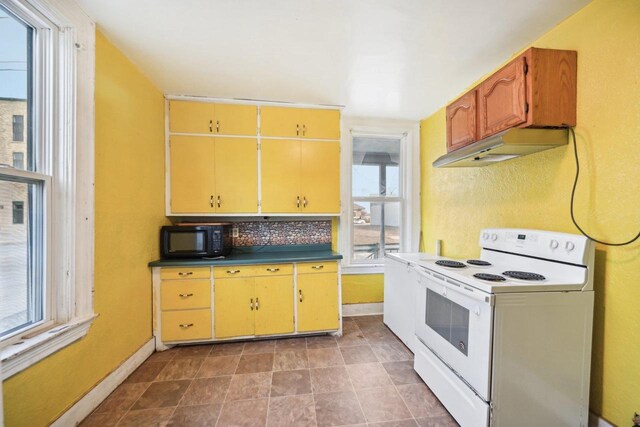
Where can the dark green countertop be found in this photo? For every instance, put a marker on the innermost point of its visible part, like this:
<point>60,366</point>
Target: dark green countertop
<point>260,255</point>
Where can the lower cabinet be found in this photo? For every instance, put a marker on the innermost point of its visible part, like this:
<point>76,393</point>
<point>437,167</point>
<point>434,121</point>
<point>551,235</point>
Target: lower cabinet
<point>317,297</point>
<point>210,303</point>
<point>259,304</point>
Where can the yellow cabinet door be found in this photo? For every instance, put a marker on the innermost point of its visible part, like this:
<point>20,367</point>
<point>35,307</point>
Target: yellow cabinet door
<point>280,176</point>
<point>233,307</point>
<point>281,121</point>
<point>320,124</point>
<point>186,325</point>
<point>233,119</point>
<point>317,301</point>
<point>320,177</point>
<point>192,174</point>
<point>236,175</point>
<point>274,305</point>
<point>191,117</point>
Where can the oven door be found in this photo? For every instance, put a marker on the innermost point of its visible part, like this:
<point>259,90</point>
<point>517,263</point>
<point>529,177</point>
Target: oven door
<point>455,322</point>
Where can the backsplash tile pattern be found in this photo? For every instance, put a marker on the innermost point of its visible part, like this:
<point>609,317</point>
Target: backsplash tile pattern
<point>260,233</point>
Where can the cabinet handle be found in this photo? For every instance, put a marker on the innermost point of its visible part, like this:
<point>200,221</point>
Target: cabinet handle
<point>251,304</point>
<point>219,201</point>
<point>297,201</point>
<point>211,201</point>
<point>300,293</point>
<point>297,130</point>
<point>210,125</point>
<point>317,267</point>
<point>273,270</point>
<point>185,273</point>
<point>304,130</point>
<point>186,325</point>
<point>304,202</point>
<point>257,304</point>
<point>217,126</point>
<point>185,295</point>
<point>233,271</point>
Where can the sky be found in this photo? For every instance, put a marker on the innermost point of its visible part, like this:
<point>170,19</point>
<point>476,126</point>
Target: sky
<point>13,57</point>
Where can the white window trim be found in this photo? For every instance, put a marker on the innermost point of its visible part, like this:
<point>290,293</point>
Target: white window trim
<point>70,124</point>
<point>410,184</point>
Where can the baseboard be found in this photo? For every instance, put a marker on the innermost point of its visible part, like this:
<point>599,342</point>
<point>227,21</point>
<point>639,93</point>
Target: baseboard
<point>93,398</point>
<point>596,421</point>
<point>362,309</point>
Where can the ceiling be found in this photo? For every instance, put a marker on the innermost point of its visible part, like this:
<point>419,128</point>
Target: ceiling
<point>378,58</point>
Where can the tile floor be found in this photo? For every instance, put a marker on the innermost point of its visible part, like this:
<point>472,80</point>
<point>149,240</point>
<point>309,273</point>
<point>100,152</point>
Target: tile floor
<point>363,378</point>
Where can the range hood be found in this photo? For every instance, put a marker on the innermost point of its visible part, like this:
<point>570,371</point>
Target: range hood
<point>506,145</point>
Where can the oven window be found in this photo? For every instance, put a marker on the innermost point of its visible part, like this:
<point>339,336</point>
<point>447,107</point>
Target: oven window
<point>183,241</point>
<point>449,320</point>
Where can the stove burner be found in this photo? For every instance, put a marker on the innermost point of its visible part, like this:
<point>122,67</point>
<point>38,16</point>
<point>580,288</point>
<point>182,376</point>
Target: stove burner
<point>523,275</point>
<point>449,263</point>
<point>489,277</point>
<point>478,262</point>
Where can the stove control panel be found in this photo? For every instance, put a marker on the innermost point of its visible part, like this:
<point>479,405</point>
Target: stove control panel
<point>572,248</point>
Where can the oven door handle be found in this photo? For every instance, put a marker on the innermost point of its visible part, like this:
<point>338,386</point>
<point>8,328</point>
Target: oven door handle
<point>450,285</point>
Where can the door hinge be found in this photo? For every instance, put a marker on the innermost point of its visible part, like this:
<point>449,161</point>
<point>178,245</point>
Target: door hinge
<point>526,107</point>
<point>526,67</point>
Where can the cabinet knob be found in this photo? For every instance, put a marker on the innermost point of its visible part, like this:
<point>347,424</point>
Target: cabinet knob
<point>185,273</point>
<point>210,125</point>
<point>219,201</point>
<point>297,130</point>
<point>273,270</point>
<point>257,304</point>
<point>186,325</point>
<point>217,126</point>
<point>300,295</point>
<point>304,130</point>
<point>211,201</point>
<point>233,271</point>
<point>251,304</point>
<point>317,267</point>
<point>185,295</point>
<point>297,201</point>
<point>304,202</point>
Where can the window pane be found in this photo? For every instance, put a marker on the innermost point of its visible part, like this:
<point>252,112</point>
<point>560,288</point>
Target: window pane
<point>375,168</point>
<point>15,89</point>
<point>20,244</point>
<point>373,225</point>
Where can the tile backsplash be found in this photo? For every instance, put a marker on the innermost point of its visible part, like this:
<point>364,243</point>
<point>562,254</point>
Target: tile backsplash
<point>260,233</point>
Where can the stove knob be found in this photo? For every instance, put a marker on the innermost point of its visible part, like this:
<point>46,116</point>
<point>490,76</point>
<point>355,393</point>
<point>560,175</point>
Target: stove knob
<point>554,244</point>
<point>494,237</point>
<point>485,236</point>
<point>569,246</point>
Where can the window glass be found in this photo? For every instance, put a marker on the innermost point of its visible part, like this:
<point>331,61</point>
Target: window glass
<point>375,168</point>
<point>21,199</point>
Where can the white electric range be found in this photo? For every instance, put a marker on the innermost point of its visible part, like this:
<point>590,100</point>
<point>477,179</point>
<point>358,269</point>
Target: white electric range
<point>505,340</point>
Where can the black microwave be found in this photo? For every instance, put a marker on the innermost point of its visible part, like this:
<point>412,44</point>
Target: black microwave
<point>195,241</point>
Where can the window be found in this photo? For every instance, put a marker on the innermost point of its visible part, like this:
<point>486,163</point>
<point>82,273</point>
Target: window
<point>380,167</point>
<point>18,214</point>
<point>18,122</point>
<point>45,297</point>
<point>18,160</point>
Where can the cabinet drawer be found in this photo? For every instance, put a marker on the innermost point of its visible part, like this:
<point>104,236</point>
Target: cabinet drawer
<point>186,325</point>
<point>318,267</point>
<point>184,294</point>
<point>274,269</point>
<point>185,273</point>
<point>234,271</point>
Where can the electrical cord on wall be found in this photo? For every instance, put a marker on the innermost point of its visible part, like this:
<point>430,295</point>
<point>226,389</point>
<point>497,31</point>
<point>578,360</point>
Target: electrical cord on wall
<point>573,193</point>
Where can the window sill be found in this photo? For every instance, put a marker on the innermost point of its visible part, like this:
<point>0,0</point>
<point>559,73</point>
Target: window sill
<point>22,355</point>
<point>363,269</point>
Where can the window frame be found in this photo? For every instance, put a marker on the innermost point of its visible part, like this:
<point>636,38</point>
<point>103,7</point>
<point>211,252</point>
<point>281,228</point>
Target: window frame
<point>409,184</point>
<point>62,156</point>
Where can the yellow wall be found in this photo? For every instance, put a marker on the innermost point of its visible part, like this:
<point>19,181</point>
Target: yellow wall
<point>129,206</point>
<point>533,191</point>
<point>362,288</point>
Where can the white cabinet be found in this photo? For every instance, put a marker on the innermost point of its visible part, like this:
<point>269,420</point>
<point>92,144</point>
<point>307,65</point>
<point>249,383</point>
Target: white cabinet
<point>400,290</point>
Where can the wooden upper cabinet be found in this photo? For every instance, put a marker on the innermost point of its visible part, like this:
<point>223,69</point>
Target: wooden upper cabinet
<point>299,123</point>
<point>461,121</point>
<point>537,89</point>
<point>207,117</point>
<point>502,99</point>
